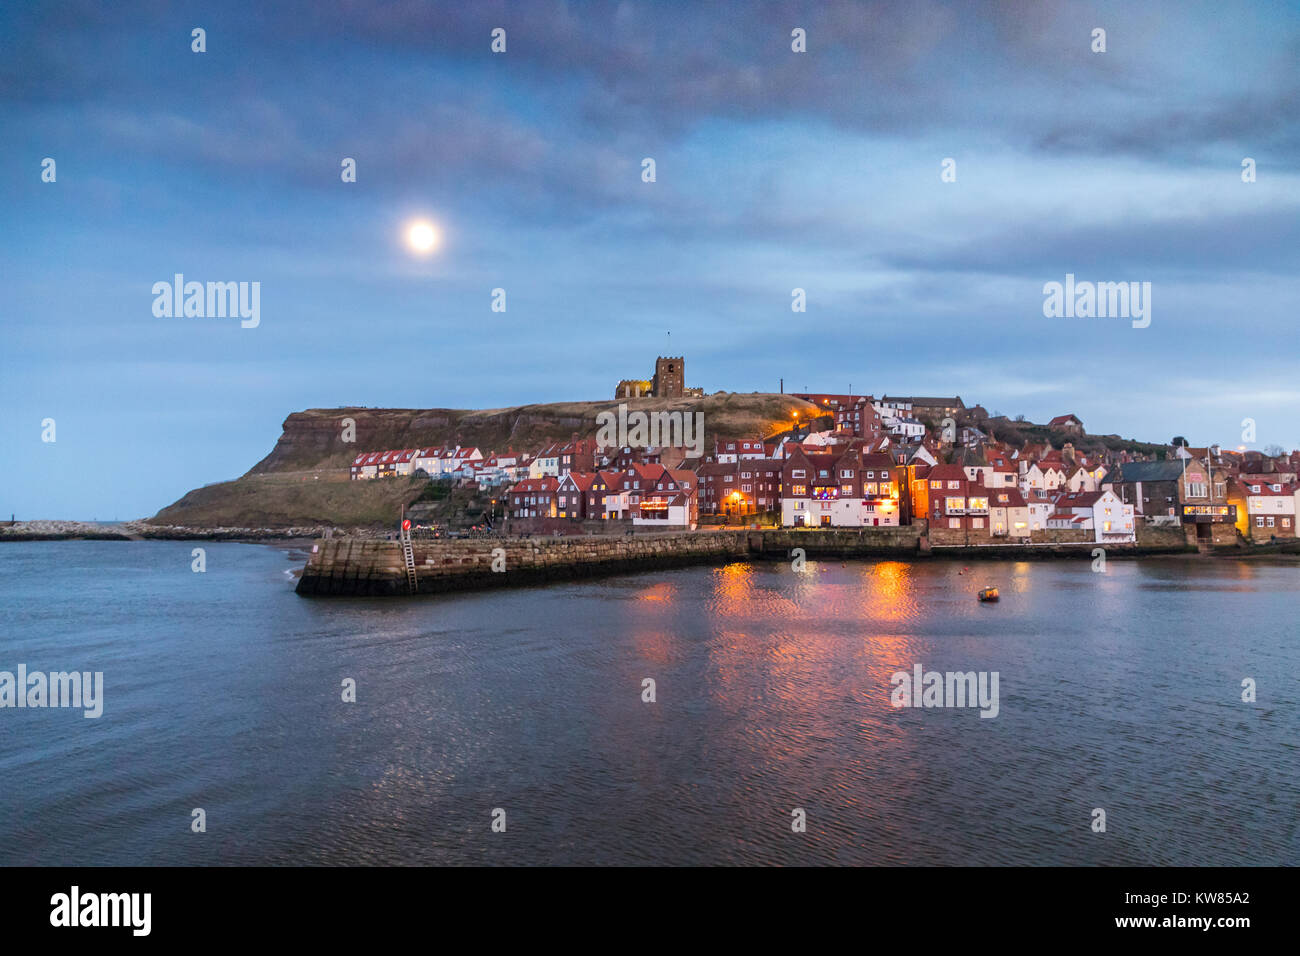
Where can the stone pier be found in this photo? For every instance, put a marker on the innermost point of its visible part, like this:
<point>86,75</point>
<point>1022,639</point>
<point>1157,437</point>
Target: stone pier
<point>348,566</point>
<point>360,567</point>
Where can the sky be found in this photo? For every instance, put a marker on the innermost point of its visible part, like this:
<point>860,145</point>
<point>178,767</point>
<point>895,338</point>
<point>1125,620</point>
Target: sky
<point>774,170</point>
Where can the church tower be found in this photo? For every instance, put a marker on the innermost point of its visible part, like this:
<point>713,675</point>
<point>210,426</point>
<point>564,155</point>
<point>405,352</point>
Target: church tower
<point>670,377</point>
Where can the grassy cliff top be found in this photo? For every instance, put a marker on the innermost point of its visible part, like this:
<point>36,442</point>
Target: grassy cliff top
<point>313,439</point>
<point>303,481</point>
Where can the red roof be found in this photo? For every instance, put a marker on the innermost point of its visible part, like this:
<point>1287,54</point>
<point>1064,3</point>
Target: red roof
<point>947,473</point>
<point>582,479</point>
<point>1079,499</point>
<point>529,485</point>
<point>1249,484</point>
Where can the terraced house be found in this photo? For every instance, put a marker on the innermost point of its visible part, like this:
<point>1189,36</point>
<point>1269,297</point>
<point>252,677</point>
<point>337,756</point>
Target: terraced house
<point>1265,510</point>
<point>953,501</point>
<point>840,488</point>
<point>1110,520</point>
<point>535,498</point>
<point>571,496</point>
<point>671,501</point>
<point>747,486</point>
<point>1008,515</point>
<point>810,490</point>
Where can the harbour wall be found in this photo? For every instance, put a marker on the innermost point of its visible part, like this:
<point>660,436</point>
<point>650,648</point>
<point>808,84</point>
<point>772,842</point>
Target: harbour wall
<point>358,567</point>
<point>343,566</point>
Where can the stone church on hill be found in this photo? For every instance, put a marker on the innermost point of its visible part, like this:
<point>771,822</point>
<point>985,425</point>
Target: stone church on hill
<point>669,382</point>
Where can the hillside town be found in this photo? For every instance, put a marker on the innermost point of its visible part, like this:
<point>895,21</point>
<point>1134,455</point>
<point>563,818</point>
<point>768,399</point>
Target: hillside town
<point>867,462</point>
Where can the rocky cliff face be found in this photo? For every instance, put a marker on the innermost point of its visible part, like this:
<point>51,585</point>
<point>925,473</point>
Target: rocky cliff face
<point>313,439</point>
<point>304,480</point>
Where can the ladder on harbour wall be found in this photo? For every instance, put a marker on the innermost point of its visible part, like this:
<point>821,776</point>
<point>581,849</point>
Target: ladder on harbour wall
<point>409,555</point>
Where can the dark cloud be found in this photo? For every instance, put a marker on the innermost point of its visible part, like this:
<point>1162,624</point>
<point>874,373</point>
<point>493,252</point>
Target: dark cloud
<point>1130,249</point>
<point>901,67</point>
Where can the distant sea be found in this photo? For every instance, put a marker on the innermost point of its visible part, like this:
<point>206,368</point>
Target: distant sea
<point>1119,691</point>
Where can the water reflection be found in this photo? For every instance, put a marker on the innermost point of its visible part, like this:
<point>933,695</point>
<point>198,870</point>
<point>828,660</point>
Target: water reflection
<point>772,691</point>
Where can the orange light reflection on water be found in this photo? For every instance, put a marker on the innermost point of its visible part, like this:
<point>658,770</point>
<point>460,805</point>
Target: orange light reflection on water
<point>793,638</point>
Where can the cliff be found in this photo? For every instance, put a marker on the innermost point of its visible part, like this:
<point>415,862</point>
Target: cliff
<point>304,479</point>
<point>313,439</point>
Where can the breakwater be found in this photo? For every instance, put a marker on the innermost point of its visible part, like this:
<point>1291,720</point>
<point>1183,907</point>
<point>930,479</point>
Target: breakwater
<point>145,531</point>
<point>353,566</point>
<point>345,566</point>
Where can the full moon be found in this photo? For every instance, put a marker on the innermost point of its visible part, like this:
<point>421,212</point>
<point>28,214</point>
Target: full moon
<point>422,237</point>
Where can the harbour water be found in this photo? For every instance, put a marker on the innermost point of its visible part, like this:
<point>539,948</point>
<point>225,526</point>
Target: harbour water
<point>223,691</point>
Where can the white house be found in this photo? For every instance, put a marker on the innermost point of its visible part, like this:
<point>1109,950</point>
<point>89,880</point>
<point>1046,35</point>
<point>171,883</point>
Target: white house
<point>427,461</point>
<point>1041,507</point>
<point>1079,480</point>
<point>1110,519</point>
<point>462,455</point>
<point>809,512</point>
<point>546,463</point>
<point>667,511</point>
<point>1270,508</point>
<point>365,465</point>
<point>405,464</point>
<point>1002,476</point>
<point>1041,476</point>
<point>907,428</point>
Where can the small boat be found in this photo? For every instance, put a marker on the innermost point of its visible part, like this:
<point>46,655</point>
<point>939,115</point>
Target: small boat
<point>988,594</point>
